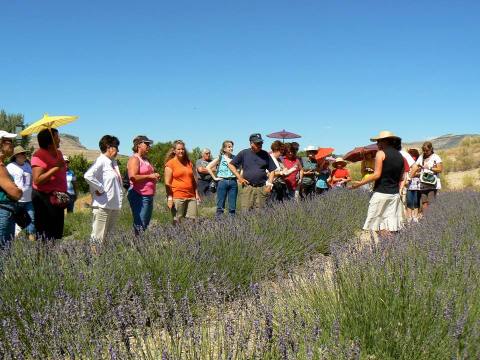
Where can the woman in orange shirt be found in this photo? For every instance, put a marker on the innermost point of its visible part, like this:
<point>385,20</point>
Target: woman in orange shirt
<point>181,183</point>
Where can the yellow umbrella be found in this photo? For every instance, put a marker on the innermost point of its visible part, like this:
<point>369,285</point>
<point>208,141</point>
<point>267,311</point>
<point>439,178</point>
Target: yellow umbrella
<point>48,122</point>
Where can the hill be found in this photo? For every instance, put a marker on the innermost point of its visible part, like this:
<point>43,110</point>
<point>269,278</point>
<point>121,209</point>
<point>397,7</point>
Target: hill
<point>442,142</point>
<point>70,145</point>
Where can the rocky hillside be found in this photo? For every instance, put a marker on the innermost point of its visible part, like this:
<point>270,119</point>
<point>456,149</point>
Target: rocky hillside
<point>70,145</point>
<point>442,142</point>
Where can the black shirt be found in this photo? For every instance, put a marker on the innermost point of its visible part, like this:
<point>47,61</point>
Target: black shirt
<point>392,172</point>
<point>254,165</point>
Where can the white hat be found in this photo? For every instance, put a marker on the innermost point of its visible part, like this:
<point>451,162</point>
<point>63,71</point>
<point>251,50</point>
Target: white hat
<point>311,148</point>
<point>66,158</point>
<point>7,135</point>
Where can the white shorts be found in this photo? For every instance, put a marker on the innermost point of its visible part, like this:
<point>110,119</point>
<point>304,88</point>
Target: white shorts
<point>385,212</point>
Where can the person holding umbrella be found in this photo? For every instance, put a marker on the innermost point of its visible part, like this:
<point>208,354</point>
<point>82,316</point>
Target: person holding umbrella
<point>385,209</point>
<point>49,195</point>
<point>9,192</point>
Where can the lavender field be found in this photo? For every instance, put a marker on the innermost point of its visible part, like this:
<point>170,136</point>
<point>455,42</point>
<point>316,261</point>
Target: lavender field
<point>254,287</point>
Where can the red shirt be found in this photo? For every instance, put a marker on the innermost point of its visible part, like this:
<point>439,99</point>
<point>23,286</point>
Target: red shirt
<point>292,180</point>
<point>58,181</point>
<point>340,173</point>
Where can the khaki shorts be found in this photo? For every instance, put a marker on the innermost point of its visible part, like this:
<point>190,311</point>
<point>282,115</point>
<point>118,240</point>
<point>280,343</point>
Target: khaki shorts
<point>253,197</point>
<point>184,208</point>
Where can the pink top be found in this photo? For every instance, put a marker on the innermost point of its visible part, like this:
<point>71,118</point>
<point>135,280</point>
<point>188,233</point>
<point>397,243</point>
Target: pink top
<point>58,181</point>
<point>144,187</point>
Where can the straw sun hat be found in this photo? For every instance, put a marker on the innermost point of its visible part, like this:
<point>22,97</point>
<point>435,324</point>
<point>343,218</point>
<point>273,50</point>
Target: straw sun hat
<point>18,150</point>
<point>384,134</point>
<point>339,160</point>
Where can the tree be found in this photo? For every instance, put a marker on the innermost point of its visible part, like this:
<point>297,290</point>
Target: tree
<point>79,165</point>
<point>9,122</point>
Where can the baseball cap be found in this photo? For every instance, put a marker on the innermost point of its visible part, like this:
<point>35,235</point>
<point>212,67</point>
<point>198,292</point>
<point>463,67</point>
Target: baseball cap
<point>142,139</point>
<point>256,138</point>
<point>6,135</point>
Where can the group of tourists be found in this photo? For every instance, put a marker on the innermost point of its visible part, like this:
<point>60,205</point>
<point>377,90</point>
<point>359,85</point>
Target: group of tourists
<point>43,187</point>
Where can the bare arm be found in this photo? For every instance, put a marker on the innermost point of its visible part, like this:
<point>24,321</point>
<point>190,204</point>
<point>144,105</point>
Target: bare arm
<point>41,176</point>
<point>133,167</point>
<point>379,157</point>
<point>210,168</point>
<point>8,185</point>
<point>203,169</point>
<point>237,174</point>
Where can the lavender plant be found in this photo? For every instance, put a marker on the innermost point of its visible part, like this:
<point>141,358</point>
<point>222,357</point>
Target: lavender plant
<point>60,301</point>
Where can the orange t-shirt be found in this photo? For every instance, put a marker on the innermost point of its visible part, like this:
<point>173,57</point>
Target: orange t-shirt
<point>183,182</point>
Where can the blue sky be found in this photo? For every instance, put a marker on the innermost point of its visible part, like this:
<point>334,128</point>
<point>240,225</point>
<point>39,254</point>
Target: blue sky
<point>335,72</point>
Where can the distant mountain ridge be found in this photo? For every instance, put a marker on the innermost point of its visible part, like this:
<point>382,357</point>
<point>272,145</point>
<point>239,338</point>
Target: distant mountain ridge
<point>70,145</point>
<point>443,142</point>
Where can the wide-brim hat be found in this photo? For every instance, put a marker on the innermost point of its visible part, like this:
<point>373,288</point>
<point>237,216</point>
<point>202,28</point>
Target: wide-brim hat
<point>6,135</point>
<point>18,150</point>
<point>311,148</point>
<point>384,134</point>
<point>339,160</point>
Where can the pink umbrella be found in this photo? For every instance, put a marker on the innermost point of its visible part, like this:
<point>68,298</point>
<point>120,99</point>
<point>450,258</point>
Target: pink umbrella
<point>283,135</point>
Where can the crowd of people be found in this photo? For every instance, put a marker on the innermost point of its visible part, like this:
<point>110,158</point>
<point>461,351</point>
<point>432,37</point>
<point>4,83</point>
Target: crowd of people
<point>43,187</point>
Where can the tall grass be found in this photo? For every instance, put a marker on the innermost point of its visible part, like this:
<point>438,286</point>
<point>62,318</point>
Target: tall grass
<point>412,296</point>
<point>59,299</point>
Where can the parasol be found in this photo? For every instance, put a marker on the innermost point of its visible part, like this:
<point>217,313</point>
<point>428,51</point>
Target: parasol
<point>283,135</point>
<point>359,153</point>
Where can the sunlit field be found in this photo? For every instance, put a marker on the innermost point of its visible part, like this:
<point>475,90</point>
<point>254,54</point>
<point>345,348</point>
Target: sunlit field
<point>295,281</point>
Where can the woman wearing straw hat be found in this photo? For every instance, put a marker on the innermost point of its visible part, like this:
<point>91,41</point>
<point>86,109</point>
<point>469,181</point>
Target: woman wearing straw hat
<point>21,171</point>
<point>385,210</point>
<point>340,175</point>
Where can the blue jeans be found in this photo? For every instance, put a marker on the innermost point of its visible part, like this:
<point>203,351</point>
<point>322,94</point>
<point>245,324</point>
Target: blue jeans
<point>227,188</point>
<point>413,199</point>
<point>28,206</point>
<point>71,203</point>
<point>7,228</point>
<point>142,208</point>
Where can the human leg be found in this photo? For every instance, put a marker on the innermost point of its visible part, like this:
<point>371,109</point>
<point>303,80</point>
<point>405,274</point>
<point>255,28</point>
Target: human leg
<point>247,197</point>
<point>146,211</point>
<point>222,190</point>
<point>7,228</point>
<point>135,201</point>
<point>232,192</point>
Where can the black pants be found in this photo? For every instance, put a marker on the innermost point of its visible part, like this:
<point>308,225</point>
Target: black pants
<point>204,187</point>
<point>48,218</point>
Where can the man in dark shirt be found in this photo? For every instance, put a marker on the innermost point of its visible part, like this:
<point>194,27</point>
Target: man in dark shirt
<point>256,184</point>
